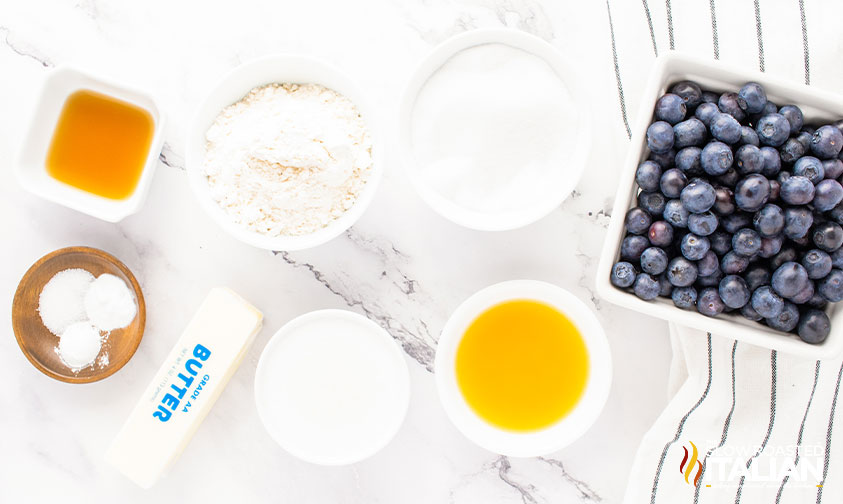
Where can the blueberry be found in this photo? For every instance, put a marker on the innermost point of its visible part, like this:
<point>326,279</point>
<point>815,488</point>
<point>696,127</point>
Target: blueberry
<point>623,274</point>
<point>733,291</point>
<point>688,133</point>
<point>660,137</point>
<point>689,91</point>
<point>729,179</point>
<point>660,234</point>
<point>797,190</point>
<point>771,161</point>
<point>769,220</point>
<point>670,108</point>
<point>746,242</point>
<point>632,247</point>
<point>766,302</point>
<point>653,260</point>
<point>702,224</point>
<point>637,221</point>
<point>725,128</point>
<point>646,287</point>
<point>735,222</point>
<point>748,159</point>
<point>698,196</point>
<point>708,264</point>
<point>712,280</point>
<point>648,175</point>
<point>805,294</point>
<point>749,312</point>
<point>724,201</point>
<point>817,301</point>
<point>827,195</point>
<point>754,97</point>
<point>787,320</point>
<point>675,214</point>
<point>797,222</point>
<point>652,202</point>
<point>705,112</point>
<point>828,236</point>
<point>681,272</point>
<point>792,150</point>
<point>794,117</point>
<point>721,242</point>
<point>752,192</point>
<point>709,97</point>
<point>672,182</point>
<point>831,287</point>
<point>827,142</point>
<point>771,246</point>
<point>716,158</point>
<point>833,168</point>
<point>789,279</point>
<point>664,159</point>
<point>732,104</point>
<point>694,247</point>
<point>814,326</point>
<point>709,302</point>
<point>665,288</point>
<point>775,191</point>
<point>773,129</point>
<point>786,254</point>
<point>836,213</point>
<point>837,258</point>
<point>733,263</point>
<point>688,160</point>
<point>757,276</point>
<point>749,136</point>
<point>809,167</point>
<point>684,297</point>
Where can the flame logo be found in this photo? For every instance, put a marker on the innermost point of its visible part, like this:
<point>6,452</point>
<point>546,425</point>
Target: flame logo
<point>686,467</point>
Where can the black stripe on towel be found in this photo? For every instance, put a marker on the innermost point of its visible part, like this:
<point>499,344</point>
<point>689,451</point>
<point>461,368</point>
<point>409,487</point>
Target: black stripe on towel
<point>801,430</point>
<point>805,41</point>
<point>669,24</point>
<point>769,425</point>
<point>618,72</point>
<point>681,426</point>
<point>758,32</point>
<point>828,436</point>
<point>726,425</point>
<point>650,24</point>
<point>715,42</point>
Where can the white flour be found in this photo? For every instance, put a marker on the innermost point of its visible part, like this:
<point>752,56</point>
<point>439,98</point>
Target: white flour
<point>288,159</point>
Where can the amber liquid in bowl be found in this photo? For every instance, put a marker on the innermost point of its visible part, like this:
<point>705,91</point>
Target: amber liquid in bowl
<point>100,144</point>
<point>522,365</point>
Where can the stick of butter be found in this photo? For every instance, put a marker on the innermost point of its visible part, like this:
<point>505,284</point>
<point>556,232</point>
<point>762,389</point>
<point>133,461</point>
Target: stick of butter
<point>186,387</point>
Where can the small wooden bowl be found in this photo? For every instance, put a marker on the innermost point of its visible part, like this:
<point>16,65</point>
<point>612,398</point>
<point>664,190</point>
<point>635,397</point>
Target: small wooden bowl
<point>38,343</point>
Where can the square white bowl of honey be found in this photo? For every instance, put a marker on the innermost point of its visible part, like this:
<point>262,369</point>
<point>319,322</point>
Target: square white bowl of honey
<point>92,145</point>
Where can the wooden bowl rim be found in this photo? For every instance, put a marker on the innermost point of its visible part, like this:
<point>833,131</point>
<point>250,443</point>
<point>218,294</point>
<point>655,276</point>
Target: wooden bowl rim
<point>138,335</point>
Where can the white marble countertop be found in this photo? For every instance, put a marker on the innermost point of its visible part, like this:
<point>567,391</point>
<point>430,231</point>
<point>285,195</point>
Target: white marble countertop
<point>401,265</point>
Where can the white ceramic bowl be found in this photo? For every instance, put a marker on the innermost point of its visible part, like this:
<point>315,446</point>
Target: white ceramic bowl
<point>281,391</point>
<point>31,163</point>
<point>541,206</point>
<point>563,432</point>
<point>816,105</point>
<point>233,87</point>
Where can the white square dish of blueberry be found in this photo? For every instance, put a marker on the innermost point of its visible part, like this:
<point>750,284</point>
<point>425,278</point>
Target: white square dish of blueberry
<point>739,210</point>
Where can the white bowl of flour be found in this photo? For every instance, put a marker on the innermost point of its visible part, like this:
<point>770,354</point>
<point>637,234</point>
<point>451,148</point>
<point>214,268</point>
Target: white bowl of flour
<point>494,129</point>
<point>284,153</point>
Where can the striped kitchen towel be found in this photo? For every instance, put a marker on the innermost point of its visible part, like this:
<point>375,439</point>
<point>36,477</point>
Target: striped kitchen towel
<point>745,424</point>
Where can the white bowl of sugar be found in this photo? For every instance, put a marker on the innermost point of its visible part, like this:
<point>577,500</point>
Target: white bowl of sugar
<point>494,129</point>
